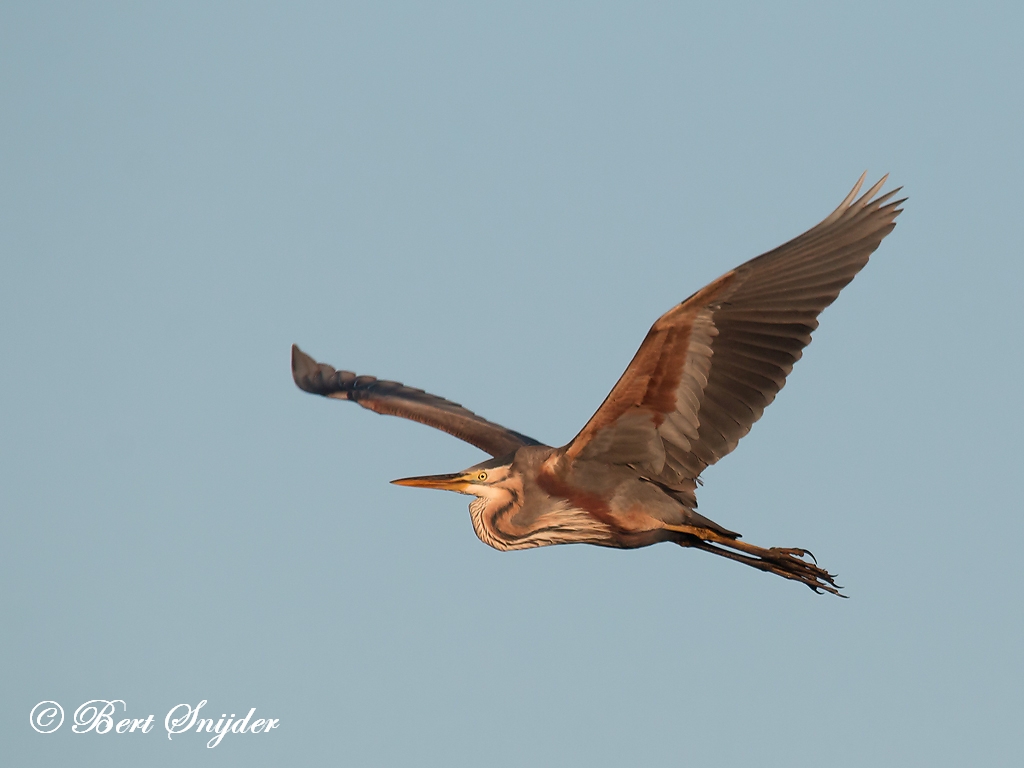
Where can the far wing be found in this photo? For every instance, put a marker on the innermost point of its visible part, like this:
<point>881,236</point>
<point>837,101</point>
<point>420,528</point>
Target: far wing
<point>392,398</point>
<point>710,366</point>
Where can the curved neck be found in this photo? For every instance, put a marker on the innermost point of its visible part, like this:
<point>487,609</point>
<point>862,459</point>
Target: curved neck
<point>488,514</point>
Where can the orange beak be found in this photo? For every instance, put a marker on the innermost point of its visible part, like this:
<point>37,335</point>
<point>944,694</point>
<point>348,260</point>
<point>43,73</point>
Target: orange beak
<point>454,482</point>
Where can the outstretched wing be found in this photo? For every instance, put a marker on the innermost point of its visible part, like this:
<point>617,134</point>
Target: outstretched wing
<point>710,366</point>
<point>396,399</point>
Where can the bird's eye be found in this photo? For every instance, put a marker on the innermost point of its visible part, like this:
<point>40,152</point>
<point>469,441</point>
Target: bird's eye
<point>482,476</point>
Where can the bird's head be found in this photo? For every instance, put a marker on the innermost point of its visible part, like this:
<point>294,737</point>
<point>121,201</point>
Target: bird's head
<point>487,480</point>
<point>496,485</point>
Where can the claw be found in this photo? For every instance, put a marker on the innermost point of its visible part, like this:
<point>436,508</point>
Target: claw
<point>795,551</point>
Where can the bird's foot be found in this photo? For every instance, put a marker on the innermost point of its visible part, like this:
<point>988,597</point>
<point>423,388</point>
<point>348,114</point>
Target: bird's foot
<point>790,563</point>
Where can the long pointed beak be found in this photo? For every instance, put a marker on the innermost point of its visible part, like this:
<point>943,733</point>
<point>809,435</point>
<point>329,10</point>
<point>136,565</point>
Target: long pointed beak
<point>454,482</point>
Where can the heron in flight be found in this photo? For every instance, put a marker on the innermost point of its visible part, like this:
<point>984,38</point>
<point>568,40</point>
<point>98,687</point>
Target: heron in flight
<point>703,375</point>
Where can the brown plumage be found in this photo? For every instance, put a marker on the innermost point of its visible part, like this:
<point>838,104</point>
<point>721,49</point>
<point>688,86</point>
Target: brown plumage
<point>703,375</point>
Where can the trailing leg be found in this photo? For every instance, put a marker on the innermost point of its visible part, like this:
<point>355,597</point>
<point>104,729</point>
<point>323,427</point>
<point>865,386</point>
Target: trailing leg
<point>788,563</point>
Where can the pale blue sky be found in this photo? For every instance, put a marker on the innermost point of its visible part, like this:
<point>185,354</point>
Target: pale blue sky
<point>494,203</point>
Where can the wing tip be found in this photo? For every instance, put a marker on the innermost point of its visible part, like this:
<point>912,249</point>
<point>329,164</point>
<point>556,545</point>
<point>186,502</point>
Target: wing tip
<point>852,203</point>
<point>868,196</point>
<point>320,378</point>
<point>304,368</point>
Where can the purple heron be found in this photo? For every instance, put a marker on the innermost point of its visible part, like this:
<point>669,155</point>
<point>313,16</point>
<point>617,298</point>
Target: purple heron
<point>703,375</point>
